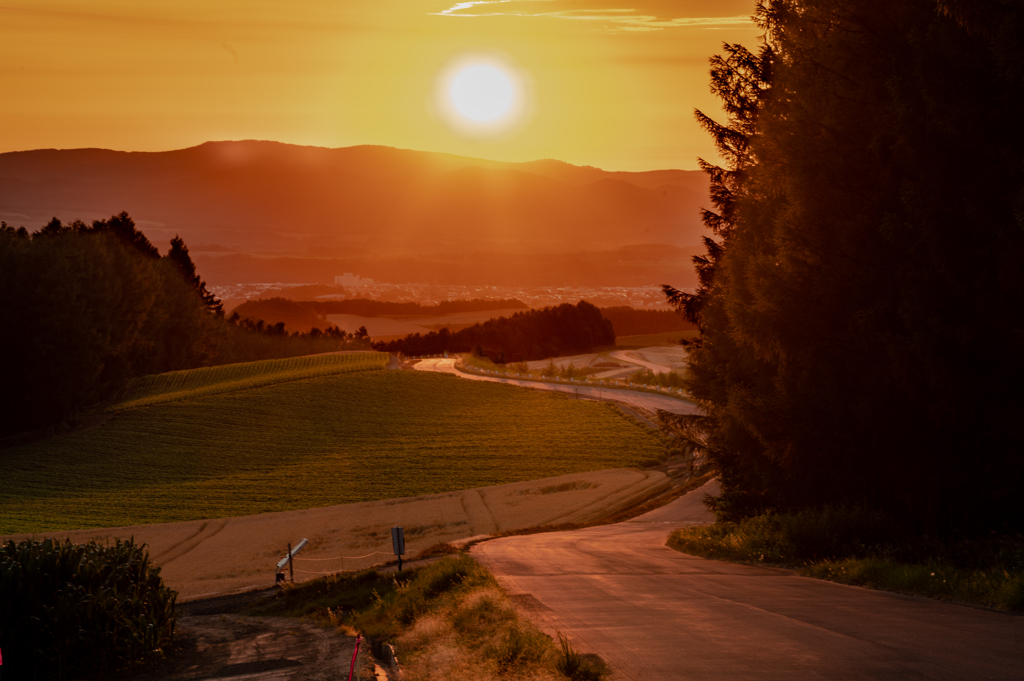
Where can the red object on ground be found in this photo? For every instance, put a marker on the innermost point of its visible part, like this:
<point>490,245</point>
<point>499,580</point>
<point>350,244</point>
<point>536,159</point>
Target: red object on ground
<point>355,652</point>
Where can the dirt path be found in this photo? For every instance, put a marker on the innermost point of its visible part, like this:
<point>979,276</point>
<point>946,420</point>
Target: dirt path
<point>213,642</point>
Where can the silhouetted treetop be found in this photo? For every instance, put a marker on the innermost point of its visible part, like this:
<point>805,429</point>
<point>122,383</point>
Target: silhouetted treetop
<point>178,254</point>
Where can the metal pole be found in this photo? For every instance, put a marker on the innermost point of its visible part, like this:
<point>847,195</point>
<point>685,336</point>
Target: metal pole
<point>291,566</point>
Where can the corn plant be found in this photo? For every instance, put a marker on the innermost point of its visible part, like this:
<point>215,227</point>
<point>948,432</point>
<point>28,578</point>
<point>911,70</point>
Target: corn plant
<point>68,609</point>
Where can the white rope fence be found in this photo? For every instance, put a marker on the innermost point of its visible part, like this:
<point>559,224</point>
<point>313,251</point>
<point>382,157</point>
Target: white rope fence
<point>342,559</point>
<point>397,539</point>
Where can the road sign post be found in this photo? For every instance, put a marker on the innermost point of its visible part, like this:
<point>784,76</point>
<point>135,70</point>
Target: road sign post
<point>288,560</point>
<point>398,542</point>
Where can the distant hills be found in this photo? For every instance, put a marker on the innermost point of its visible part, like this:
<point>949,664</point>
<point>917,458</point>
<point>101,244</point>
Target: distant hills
<point>253,209</point>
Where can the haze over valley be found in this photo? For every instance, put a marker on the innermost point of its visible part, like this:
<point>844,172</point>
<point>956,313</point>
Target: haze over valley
<point>271,212</point>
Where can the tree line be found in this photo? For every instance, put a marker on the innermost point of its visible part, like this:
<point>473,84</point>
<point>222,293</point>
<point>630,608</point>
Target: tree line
<point>861,294</point>
<point>87,307</point>
<point>564,329</point>
<point>295,315</point>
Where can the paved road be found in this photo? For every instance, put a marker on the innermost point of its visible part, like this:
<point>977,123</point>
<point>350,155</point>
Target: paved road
<point>650,401</point>
<point>625,356</point>
<point>654,614</point>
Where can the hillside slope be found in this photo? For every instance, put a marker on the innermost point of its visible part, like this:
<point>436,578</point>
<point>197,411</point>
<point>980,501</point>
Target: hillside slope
<point>267,195</point>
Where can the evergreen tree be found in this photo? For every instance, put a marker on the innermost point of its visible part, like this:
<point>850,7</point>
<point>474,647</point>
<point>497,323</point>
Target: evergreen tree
<point>861,333</point>
<point>123,227</point>
<point>183,261</point>
<point>86,308</point>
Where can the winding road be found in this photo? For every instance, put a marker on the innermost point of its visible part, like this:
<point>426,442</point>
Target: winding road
<point>630,357</point>
<point>635,398</point>
<point>653,613</point>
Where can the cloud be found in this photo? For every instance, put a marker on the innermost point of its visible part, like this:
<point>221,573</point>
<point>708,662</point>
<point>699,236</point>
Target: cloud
<point>653,16</point>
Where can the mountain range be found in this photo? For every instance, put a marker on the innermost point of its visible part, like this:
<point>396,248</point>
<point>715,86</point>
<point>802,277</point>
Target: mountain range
<point>252,206</point>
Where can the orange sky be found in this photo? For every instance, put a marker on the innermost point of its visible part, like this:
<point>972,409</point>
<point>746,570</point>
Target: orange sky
<point>609,83</point>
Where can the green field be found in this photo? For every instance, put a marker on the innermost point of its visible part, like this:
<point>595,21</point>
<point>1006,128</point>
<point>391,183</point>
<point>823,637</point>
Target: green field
<point>307,443</point>
<point>183,385</point>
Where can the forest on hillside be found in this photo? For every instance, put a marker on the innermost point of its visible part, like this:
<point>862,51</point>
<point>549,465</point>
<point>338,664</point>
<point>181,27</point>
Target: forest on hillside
<point>564,329</point>
<point>861,291</point>
<point>87,307</point>
<point>305,315</point>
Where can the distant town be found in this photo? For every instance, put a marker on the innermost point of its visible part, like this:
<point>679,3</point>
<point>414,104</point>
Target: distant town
<point>353,286</point>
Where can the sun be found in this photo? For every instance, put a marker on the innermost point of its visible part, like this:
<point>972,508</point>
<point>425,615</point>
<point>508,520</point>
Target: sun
<point>482,96</point>
<point>482,92</point>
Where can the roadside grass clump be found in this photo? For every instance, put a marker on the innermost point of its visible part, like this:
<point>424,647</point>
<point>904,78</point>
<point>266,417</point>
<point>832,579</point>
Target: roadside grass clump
<point>790,538</point>
<point>331,598</point>
<point>866,548</point>
<point>484,362</point>
<point>417,594</point>
<point>568,372</point>
<point>669,379</point>
<point>446,620</point>
<point>572,664</point>
<point>193,383</point>
<point>519,647</point>
<point>307,444</point>
<point>72,610</point>
<point>995,587</point>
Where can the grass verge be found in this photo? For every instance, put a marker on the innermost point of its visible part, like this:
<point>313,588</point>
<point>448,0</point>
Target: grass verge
<point>862,548</point>
<point>448,619</point>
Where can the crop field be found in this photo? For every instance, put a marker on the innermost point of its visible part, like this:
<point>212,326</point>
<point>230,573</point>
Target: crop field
<point>182,385</point>
<point>308,443</point>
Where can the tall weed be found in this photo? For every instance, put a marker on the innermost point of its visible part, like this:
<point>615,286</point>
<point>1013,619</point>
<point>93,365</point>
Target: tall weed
<point>574,665</point>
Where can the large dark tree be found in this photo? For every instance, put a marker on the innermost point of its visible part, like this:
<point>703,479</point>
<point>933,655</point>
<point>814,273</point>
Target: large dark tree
<point>862,337</point>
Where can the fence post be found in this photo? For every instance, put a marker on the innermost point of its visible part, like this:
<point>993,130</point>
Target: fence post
<point>398,541</point>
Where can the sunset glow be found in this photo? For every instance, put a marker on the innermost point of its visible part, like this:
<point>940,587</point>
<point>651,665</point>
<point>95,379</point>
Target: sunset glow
<point>482,93</point>
<point>591,82</point>
<point>483,98</point>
